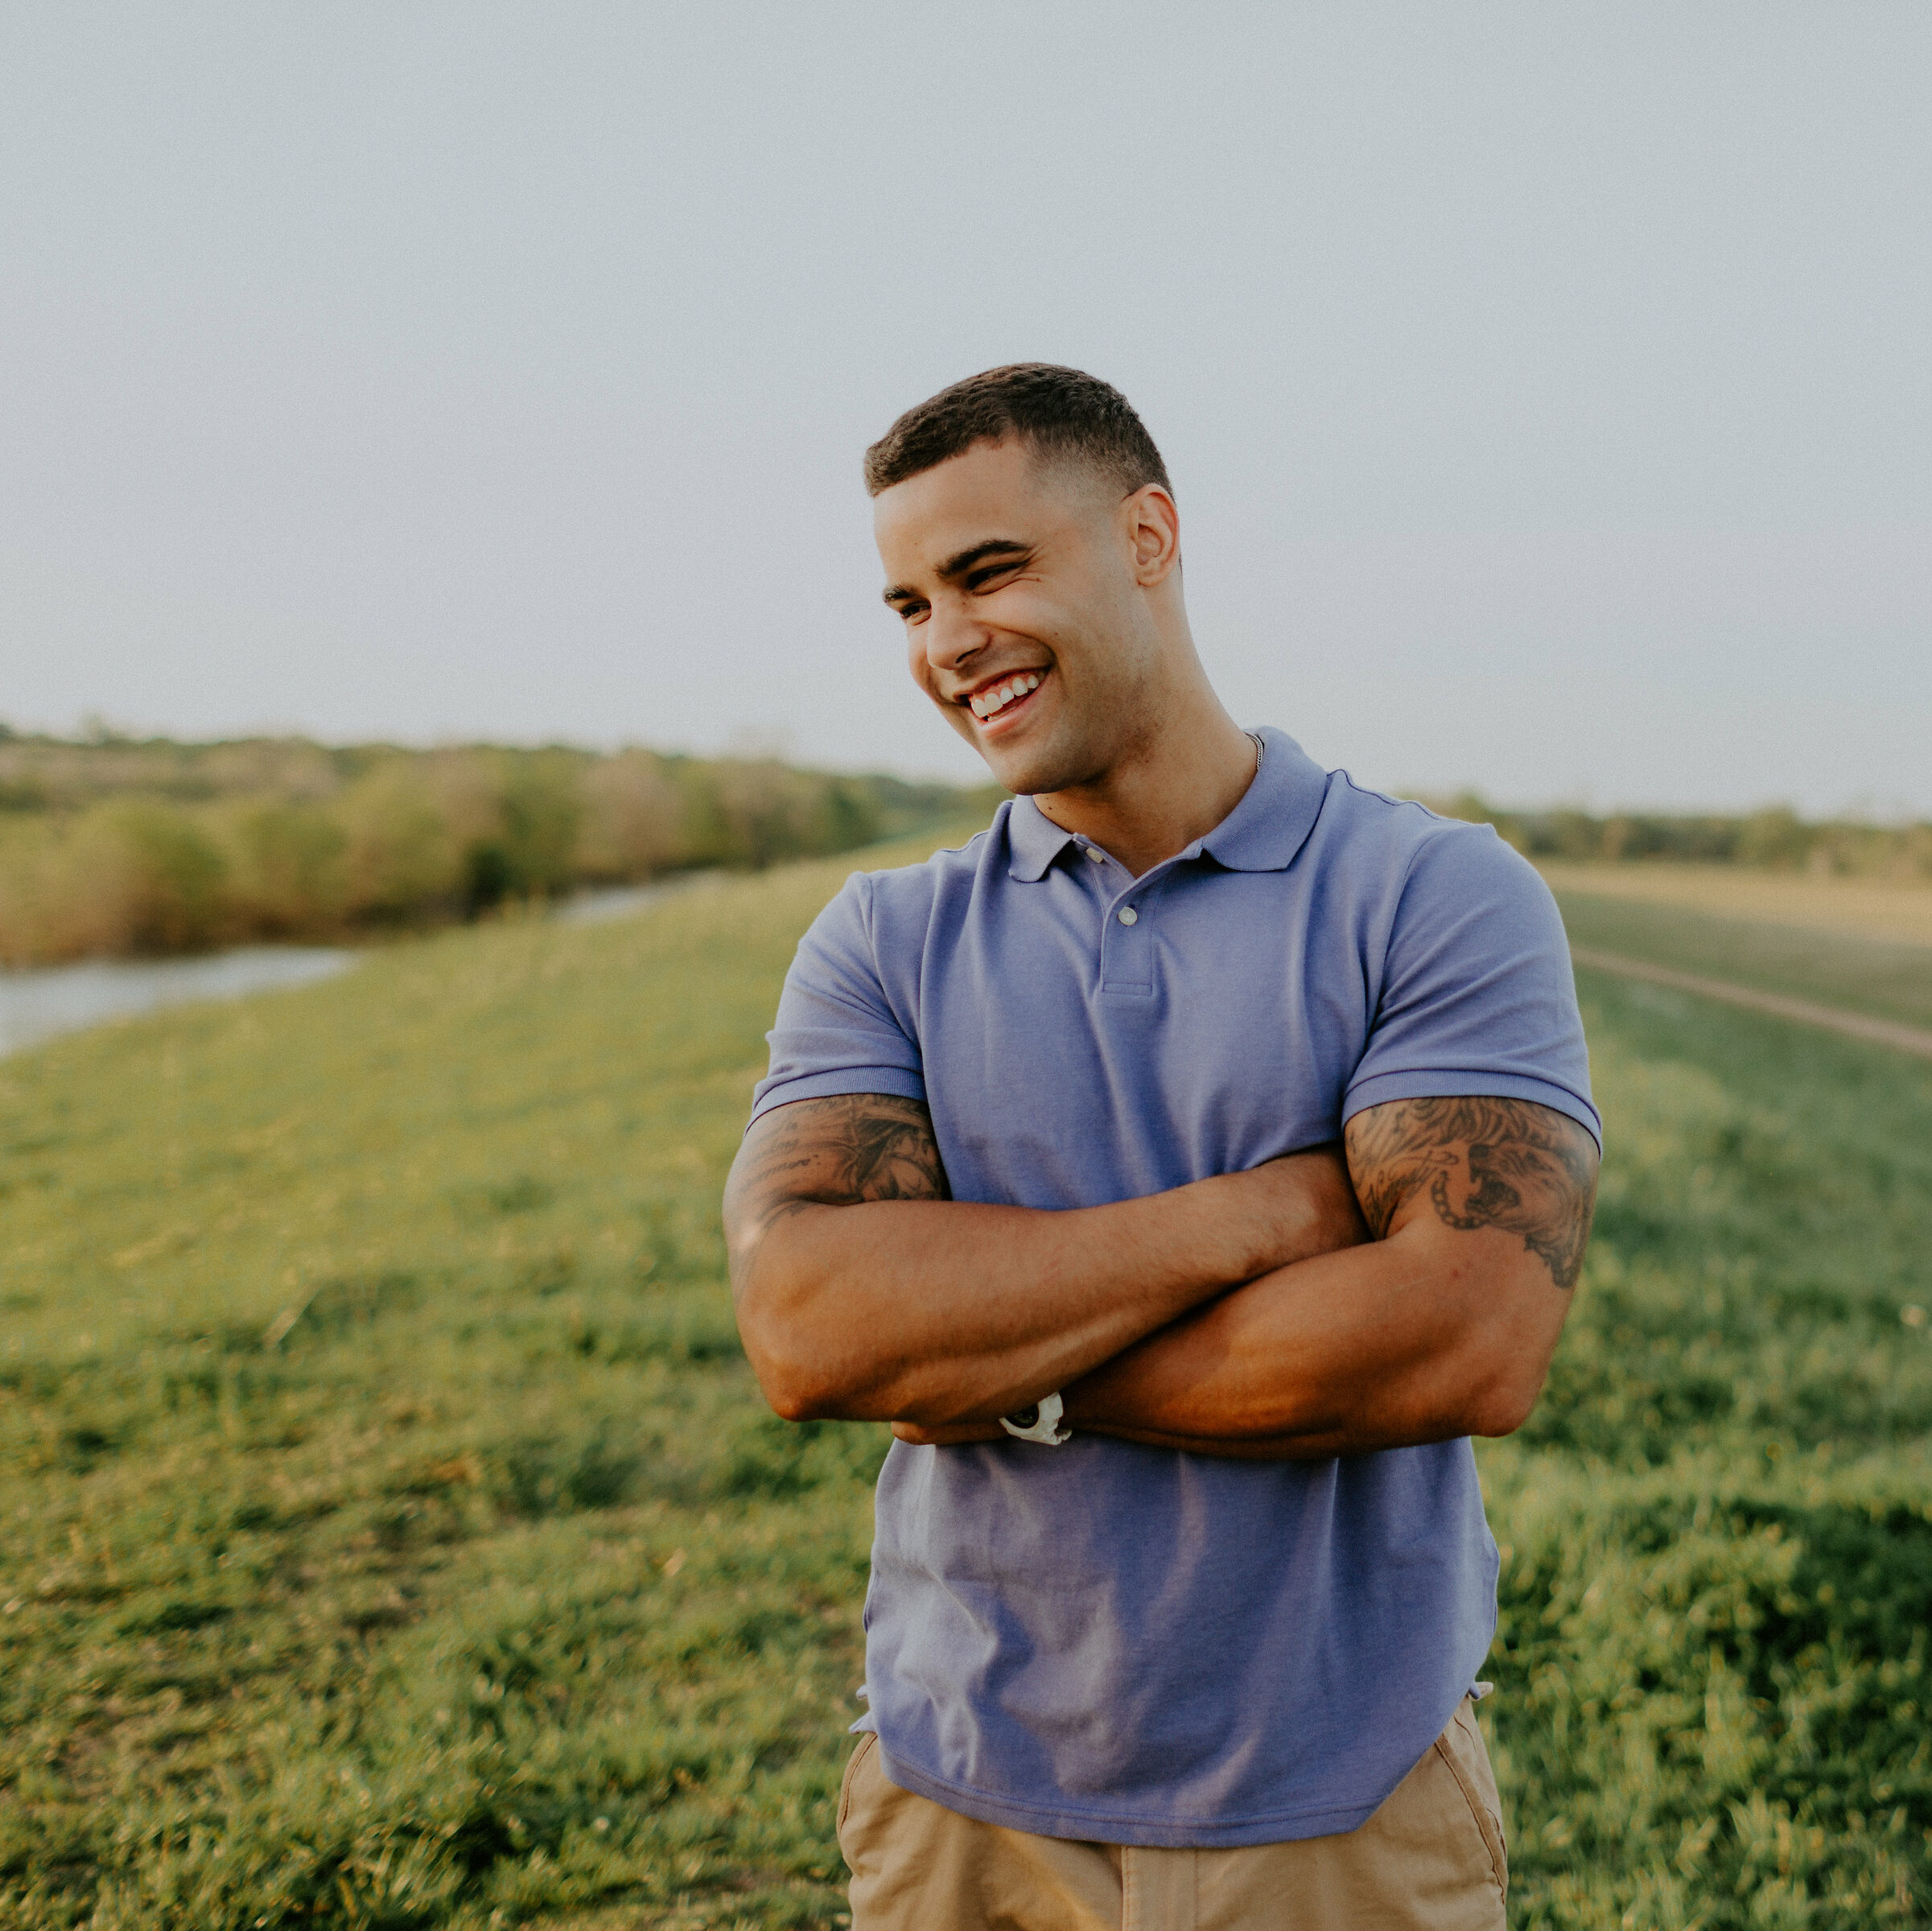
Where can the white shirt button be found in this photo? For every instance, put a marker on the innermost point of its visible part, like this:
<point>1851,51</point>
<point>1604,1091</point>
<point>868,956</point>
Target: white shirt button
<point>1127,914</point>
<point>1094,851</point>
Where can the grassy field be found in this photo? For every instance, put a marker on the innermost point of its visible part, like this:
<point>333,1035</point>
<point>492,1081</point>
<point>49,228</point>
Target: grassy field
<point>390,1533</point>
<point>1896,909</point>
<point>1844,944</point>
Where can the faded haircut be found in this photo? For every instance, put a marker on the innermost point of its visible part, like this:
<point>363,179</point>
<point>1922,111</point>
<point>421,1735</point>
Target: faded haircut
<point>1061,413</point>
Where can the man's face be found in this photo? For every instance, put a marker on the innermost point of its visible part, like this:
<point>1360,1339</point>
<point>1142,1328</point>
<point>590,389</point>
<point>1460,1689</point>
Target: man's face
<point>1024,621</point>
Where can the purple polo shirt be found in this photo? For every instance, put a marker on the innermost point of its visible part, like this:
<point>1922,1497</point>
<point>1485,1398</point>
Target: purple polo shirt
<point>1140,1645</point>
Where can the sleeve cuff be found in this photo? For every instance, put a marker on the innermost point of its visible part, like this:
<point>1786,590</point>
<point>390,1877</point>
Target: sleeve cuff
<point>894,1080</point>
<point>1382,1087</point>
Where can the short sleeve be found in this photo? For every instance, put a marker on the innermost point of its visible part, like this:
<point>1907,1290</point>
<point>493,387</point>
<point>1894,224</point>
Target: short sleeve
<point>1478,994</point>
<point>837,1031</point>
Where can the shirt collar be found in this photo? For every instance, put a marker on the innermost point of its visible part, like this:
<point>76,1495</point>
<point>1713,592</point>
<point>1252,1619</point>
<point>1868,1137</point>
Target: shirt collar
<point>1276,812</point>
<point>1034,840</point>
<point>1263,833</point>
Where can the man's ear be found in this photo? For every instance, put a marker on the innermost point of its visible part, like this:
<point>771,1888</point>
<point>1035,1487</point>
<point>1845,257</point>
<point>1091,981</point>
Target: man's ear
<point>1152,524</point>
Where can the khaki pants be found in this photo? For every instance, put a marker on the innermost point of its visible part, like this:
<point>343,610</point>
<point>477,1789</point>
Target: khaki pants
<point>1430,1859</point>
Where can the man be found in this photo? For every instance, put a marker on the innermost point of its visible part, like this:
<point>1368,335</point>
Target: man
<point>1181,1579</point>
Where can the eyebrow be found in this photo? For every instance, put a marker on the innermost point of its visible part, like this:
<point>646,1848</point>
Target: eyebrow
<point>955,567</point>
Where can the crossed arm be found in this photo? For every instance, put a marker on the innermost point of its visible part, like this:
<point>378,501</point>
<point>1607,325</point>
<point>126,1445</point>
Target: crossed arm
<point>1410,1288</point>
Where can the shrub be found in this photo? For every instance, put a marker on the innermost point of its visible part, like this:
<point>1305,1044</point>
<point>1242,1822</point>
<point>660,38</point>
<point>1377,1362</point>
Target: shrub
<point>114,846</point>
<point>401,858</point>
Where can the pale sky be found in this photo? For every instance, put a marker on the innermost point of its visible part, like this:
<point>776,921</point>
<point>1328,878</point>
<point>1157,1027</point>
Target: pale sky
<point>1547,388</point>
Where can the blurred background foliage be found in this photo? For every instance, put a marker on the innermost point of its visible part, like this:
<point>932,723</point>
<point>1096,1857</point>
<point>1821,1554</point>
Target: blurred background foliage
<point>114,846</point>
<point>1775,838</point>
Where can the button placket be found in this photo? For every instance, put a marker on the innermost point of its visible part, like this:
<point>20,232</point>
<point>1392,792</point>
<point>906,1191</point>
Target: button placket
<point>1126,961</point>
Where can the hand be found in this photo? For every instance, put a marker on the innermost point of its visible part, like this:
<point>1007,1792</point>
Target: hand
<point>948,1437</point>
<point>1307,1205</point>
<point>1442,1325</point>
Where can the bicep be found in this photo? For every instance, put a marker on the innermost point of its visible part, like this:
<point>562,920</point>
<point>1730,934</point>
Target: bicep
<point>1469,1164</point>
<point>835,1152</point>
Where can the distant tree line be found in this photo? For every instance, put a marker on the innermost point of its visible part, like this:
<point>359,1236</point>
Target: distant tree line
<point>1776,839</point>
<point>116,845</point>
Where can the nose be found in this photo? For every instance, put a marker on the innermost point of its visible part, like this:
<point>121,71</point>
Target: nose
<point>951,638</point>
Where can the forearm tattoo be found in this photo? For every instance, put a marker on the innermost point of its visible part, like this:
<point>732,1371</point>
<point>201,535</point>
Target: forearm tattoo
<point>1511,1164</point>
<point>835,1153</point>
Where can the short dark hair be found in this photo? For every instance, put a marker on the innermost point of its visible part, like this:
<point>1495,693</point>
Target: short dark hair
<point>1060,412</point>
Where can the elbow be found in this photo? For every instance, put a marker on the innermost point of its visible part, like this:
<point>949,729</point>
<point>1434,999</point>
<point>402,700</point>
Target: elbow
<point>797,1383</point>
<point>1503,1403</point>
<point>796,1376</point>
<point>793,1394</point>
<point>796,1389</point>
<point>1504,1357</point>
<point>1485,1384</point>
<point>792,1401</point>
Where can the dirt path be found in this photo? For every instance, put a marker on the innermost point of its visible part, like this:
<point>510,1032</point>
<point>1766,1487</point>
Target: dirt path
<point>1886,1032</point>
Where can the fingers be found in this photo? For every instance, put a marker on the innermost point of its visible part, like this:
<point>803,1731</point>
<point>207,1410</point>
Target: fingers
<point>948,1437</point>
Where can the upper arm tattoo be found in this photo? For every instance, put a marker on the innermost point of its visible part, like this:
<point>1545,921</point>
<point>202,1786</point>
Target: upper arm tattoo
<point>1511,1164</point>
<point>833,1152</point>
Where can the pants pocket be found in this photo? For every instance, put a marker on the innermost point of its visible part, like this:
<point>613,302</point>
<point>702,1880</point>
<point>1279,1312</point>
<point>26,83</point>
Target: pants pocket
<point>868,1741</point>
<point>1463,1750</point>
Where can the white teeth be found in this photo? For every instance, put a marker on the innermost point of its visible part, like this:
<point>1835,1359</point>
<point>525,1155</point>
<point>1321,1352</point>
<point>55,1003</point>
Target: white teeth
<point>987,703</point>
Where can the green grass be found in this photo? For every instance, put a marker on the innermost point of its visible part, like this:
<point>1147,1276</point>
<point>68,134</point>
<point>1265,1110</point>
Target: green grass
<point>486,1592</point>
<point>490,1587</point>
<point>1883,979</point>
<point>1717,1585</point>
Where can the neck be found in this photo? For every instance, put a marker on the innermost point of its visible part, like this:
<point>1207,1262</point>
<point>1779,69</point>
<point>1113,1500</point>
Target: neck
<point>1166,792</point>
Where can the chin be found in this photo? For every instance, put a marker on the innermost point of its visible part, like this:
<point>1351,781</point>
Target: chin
<point>1025,776</point>
<point>1053,761</point>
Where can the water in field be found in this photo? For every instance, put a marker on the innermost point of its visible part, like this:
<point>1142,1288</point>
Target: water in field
<point>36,1005</point>
<point>619,901</point>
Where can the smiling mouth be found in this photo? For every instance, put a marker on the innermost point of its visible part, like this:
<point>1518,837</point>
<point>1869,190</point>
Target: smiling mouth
<point>1006,696</point>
